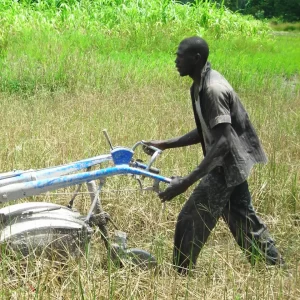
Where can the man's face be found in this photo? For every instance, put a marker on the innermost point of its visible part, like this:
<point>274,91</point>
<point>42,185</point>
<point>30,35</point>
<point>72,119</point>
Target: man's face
<point>185,61</point>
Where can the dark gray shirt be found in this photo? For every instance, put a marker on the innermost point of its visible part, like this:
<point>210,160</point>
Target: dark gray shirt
<point>215,102</point>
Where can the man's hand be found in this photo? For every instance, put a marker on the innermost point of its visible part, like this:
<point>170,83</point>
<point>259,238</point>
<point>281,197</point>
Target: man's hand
<point>157,144</point>
<point>177,186</point>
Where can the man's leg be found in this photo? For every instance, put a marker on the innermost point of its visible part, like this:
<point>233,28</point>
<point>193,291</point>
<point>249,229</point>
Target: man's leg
<point>248,229</point>
<point>198,217</point>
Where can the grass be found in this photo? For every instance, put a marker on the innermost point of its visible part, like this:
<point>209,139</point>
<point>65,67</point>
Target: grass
<point>68,72</point>
<point>281,26</point>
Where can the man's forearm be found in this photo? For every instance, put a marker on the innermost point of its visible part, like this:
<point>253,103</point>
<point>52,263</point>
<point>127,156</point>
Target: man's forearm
<point>213,159</point>
<point>188,139</point>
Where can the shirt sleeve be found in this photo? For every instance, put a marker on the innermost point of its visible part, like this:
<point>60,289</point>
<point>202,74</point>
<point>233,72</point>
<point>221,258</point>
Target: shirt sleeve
<point>217,105</point>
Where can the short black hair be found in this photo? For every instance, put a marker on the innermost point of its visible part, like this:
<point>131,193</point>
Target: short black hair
<point>196,44</point>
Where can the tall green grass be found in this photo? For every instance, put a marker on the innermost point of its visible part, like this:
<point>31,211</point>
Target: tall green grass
<point>46,36</point>
<point>127,17</point>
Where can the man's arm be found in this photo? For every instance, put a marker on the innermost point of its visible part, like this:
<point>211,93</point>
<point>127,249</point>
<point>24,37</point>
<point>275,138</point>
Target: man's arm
<point>188,139</point>
<point>222,144</point>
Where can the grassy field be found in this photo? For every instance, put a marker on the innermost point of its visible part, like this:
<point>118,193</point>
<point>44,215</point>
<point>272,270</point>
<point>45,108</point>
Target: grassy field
<point>69,69</point>
<point>281,26</point>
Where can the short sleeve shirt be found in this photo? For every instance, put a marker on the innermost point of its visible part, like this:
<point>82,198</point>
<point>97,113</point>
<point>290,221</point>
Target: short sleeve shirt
<point>215,102</point>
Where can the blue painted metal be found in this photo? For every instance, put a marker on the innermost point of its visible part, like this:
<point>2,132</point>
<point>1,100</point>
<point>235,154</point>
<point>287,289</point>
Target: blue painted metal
<point>25,176</point>
<point>21,190</point>
<point>20,184</point>
<point>121,155</point>
<point>11,174</point>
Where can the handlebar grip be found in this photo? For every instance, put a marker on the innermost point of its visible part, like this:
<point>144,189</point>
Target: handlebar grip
<point>154,170</point>
<point>150,150</point>
<point>139,164</point>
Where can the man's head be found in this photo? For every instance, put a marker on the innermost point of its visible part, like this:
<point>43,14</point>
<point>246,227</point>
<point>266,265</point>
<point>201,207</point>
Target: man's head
<point>191,56</point>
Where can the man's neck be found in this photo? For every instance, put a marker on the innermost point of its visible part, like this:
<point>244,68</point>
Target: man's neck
<point>198,74</point>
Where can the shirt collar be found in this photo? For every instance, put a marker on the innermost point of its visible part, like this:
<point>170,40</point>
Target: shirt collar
<point>204,70</point>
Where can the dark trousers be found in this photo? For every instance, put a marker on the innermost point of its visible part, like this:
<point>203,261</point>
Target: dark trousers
<point>210,200</point>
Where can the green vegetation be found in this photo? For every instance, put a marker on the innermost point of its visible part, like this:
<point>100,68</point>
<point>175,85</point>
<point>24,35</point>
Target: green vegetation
<point>282,26</point>
<point>68,69</point>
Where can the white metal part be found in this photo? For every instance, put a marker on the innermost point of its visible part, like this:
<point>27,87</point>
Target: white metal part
<point>37,227</point>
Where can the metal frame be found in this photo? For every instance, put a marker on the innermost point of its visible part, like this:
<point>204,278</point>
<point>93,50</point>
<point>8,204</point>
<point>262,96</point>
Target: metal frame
<point>21,184</point>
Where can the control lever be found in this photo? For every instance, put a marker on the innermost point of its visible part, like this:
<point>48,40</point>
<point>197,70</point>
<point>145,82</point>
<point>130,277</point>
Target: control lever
<point>108,139</point>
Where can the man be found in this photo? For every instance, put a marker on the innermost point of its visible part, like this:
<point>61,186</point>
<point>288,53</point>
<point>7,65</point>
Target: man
<point>230,147</point>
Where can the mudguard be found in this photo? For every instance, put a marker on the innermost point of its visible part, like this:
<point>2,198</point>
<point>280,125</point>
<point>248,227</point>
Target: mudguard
<point>39,227</point>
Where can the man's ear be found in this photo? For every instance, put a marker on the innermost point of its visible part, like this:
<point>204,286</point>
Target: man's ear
<point>198,57</point>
